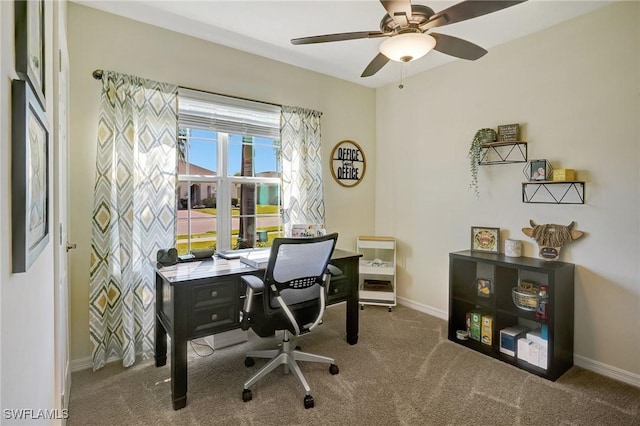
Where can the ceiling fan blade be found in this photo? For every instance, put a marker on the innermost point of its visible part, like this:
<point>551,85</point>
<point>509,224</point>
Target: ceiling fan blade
<point>399,10</point>
<point>467,10</point>
<point>338,37</point>
<point>375,65</point>
<point>457,47</point>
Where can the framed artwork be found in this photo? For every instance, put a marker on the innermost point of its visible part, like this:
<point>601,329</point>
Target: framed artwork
<point>348,163</point>
<point>485,239</point>
<point>484,286</point>
<point>538,170</point>
<point>29,177</point>
<point>29,37</point>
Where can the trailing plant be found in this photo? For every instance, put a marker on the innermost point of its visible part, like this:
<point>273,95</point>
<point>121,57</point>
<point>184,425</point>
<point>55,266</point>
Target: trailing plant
<point>482,136</point>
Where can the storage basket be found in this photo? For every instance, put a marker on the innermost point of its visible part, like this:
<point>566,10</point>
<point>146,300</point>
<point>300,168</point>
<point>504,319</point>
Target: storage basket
<point>527,301</point>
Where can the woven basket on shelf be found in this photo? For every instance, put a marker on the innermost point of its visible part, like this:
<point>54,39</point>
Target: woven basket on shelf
<point>525,296</point>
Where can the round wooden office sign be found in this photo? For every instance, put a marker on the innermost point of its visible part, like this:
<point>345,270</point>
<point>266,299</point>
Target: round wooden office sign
<point>348,163</point>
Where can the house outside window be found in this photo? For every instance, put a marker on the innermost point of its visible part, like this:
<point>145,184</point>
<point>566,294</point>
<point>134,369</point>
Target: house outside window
<point>229,173</point>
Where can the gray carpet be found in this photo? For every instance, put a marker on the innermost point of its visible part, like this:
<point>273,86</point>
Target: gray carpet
<point>403,371</point>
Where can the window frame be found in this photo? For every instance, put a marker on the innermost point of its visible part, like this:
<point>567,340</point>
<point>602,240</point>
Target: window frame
<point>224,183</point>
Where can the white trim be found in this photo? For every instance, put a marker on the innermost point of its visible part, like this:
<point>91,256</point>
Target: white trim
<point>607,370</point>
<point>81,364</point>
<point>424,308</point>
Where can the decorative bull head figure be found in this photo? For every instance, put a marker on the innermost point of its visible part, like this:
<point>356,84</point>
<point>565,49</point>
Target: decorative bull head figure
<point>551,237</point>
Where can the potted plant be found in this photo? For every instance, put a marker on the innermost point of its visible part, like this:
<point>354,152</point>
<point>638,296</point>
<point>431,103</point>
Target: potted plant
<point>482,137</point>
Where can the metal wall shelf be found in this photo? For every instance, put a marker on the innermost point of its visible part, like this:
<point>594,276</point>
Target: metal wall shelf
<point>503,153</point>
<point>553,192</point>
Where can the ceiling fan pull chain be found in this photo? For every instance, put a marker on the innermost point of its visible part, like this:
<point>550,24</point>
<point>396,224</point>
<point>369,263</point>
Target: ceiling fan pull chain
<point>402,65</point>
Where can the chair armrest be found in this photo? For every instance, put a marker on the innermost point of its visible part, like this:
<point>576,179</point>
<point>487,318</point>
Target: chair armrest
<point>255,283</point>
<point>333,270</point>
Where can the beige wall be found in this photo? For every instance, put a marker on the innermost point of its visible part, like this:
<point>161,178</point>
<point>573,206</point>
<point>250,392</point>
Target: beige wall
<point>101,40</point>
<point>575,88</point>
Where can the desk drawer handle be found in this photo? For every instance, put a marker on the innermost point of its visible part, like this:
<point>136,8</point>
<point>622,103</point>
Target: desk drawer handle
<point>214,317</point>
<point>214,293</point>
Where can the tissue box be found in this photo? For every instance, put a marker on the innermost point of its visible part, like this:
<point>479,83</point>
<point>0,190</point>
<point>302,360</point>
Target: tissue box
<point>523,349</point>
<point>564,174</point>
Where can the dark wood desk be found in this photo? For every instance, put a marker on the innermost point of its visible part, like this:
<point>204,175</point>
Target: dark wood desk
<point>197,299</point>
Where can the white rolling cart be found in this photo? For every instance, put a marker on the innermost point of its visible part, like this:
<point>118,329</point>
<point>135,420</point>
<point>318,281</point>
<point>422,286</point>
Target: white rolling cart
<point>377,271</point>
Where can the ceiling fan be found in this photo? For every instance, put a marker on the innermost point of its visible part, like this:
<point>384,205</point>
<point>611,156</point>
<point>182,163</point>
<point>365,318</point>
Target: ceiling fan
<point>406,27</point>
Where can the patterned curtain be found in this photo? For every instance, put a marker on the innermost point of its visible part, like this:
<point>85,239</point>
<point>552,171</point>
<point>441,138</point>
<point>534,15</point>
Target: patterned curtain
<point>303,198</point>
<point>133,213</point>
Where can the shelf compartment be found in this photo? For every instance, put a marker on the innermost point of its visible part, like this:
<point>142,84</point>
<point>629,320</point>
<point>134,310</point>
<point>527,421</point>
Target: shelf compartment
<point>377,296</point>
<point>553,192</point>
<point>384,243</point>
<point>503,153</point>
<point>367,268</point>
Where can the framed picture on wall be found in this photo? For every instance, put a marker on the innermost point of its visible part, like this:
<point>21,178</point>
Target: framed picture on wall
<point>485,239</point>
<point>29,45</point>
<point>29,177</point>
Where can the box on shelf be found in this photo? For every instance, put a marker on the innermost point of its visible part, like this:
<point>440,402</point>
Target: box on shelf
<point>532,352</point>
<point>475,324</point>
<point>564,174</point>
<point>536,336</point>
<point>509,337</point>
<point>486,332</point>
<point>377,285</point>
<point>523,349</point>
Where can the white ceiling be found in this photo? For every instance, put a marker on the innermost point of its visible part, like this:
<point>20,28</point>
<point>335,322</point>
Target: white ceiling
<point>265,28</point>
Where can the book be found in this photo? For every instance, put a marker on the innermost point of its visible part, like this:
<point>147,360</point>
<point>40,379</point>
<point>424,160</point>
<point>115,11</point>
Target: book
<point>256,258</point>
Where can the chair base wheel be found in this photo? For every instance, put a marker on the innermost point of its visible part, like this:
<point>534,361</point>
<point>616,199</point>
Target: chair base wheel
<point>333,369</point>
<point>308,402</point>
<point>247,395</point>
<point>249,362</point>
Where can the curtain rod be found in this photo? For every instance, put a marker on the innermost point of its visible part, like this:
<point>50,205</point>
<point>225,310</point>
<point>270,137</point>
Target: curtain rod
<point>97,74</point>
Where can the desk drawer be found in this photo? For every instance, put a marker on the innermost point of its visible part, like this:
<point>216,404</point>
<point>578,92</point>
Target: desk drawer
<point>213,320</point>
<point>338,288</point>
<point>209,295</point>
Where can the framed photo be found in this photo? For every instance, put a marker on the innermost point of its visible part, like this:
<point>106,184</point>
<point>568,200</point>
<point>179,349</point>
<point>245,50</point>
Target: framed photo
<point>485,239</point>
<point>29,29</point>
<point>29,177</point>
<point>484,286</point>
<point>538,170</point>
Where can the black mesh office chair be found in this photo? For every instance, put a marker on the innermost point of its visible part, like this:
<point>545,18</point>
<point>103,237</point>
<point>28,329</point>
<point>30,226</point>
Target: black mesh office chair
<point>291,298</point>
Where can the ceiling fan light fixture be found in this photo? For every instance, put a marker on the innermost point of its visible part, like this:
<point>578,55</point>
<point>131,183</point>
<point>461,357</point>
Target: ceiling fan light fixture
<point>407,47</point>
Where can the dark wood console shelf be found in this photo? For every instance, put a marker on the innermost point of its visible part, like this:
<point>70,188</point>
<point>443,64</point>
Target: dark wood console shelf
<point>505,273</point>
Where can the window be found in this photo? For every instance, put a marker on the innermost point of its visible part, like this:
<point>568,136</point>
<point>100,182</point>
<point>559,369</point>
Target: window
<point>229,173</point>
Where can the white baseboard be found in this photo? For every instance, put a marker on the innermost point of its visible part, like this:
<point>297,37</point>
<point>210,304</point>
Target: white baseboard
<point>81,364</point>
<point>424,308</point>
<point>607,370</point>
<point>578,360</point>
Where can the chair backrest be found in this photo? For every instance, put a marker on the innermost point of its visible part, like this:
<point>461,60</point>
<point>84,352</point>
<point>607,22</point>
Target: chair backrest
<point>297,268</point>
